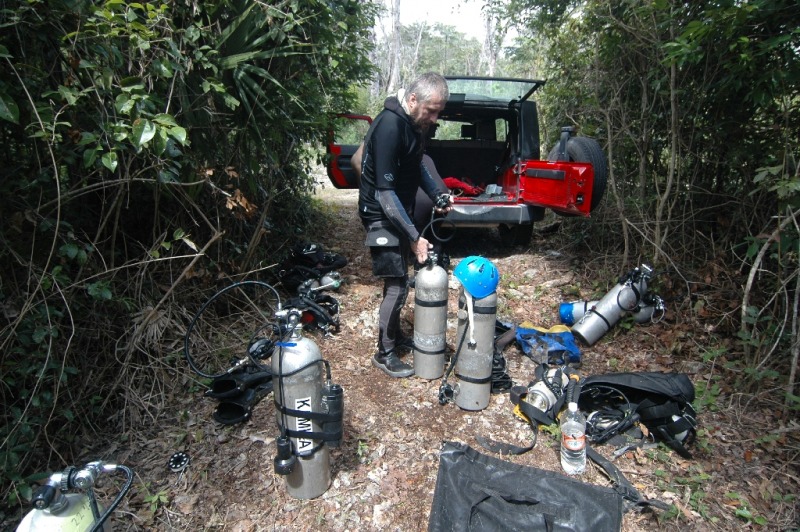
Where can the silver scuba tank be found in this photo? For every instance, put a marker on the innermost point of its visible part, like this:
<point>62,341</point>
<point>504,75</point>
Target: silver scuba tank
<point>569,313</point>
<point>330,281</point>
<point>430,320</point>
<point>474,365</point>
<point>620,300</point>
<point>55,509</point>
<point>650,310</point>
<point>72,514</point>
<point>298,387</point>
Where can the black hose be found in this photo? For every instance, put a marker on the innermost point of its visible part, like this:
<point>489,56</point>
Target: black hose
<point>98,525</point>
<point>203,307</point>
<point>454,360</point>
<point>635,293</point>
<point>444,388</point>
<point>435,220</point>
<point>600,395</point>
<point>569,391</point>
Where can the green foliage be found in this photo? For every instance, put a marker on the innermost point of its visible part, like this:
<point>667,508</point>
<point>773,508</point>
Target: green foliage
<point>743,510</point>
<point>706,395</point>
<point>156,500</point>
<point>553,430</point>
<point>438,47</point>
<point>444,49</point>
<point>136,134</point>
<point>693,486</point>
<point>32,374</point>
<point>696,103</point>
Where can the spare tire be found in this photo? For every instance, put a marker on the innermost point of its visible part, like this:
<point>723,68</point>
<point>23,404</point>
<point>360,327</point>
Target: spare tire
<point>587,150</point>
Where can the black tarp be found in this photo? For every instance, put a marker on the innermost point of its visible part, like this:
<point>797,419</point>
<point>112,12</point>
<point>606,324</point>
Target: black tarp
<point>479,492</point>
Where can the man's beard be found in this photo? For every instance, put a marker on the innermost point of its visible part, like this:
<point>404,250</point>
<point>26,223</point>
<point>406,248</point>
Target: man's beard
<point>419,125</point>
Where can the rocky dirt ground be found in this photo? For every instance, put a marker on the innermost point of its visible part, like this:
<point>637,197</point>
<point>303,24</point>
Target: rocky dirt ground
<point>744,474</point>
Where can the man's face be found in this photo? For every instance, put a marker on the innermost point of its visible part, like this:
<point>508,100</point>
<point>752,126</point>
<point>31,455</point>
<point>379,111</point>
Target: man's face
<point>425,113</point>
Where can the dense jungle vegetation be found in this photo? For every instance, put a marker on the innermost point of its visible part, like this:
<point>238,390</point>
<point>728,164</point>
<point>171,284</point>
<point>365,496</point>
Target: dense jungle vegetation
<point>149,148</point>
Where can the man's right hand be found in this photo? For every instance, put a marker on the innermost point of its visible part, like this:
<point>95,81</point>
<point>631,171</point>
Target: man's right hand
<point>420,249</point>
<point>443,204</point>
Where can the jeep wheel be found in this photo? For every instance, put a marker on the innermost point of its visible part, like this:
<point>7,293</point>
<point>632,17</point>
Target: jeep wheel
<point>515,235</point>
<point>587,150</point>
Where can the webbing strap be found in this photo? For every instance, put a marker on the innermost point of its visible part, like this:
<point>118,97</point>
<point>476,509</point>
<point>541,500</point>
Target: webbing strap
<point>419,350</point>
<point>307,414</point>
<point>621,484</point>
<point>509,448</point>
<point>480,310</point>
<point>439,303</point>
<point>324,436</point>
<point>474,380</point>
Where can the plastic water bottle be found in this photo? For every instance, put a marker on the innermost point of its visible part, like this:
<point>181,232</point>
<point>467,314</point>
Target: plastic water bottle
<point>573,441</point>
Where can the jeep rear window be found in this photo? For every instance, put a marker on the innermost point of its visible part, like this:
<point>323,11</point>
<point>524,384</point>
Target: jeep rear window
<point>503,89</point>
<point>455,130</point>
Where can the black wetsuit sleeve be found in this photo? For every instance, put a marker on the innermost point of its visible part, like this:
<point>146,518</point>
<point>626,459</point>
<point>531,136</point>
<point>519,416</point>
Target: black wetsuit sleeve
<point>396,214</point>
<point>432,183</point>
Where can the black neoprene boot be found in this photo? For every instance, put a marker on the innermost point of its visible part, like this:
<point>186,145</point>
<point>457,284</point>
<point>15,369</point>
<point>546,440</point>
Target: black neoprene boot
<point>392,365</point>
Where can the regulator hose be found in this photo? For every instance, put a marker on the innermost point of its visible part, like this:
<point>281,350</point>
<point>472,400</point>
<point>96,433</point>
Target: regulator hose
<point>445,390</point>
<point>98,525</point>
<point>193,322</point>
<point>435,220</point>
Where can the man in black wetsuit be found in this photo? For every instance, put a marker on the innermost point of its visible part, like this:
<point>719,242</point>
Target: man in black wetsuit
<point>391,173</point>
<point>424,204</point>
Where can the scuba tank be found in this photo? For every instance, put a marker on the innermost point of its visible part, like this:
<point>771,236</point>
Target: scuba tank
<point>309,412</point>
<point>477,314</point>
<point>621,299</point>
<point>474,365</point>
<point>57,510</point>
<point>430,319</point>
<point>569,313</point>
<point>329,281</point>
<point>72,512</point>
<point>650,310</point>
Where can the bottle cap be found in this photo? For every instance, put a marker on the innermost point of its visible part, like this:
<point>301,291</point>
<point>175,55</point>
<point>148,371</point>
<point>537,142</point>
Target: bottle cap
<point>573,407</point>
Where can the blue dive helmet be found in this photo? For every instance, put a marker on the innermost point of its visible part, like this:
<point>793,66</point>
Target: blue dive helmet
<point>478,276</point>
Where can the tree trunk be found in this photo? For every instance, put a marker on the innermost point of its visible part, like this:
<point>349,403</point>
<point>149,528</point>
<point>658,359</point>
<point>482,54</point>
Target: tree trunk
<point>664,196</point>
<point>394,68</point>
<point>491,44</point>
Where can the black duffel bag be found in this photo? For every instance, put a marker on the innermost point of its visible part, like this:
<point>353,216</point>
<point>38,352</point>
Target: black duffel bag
<point>479,492</point>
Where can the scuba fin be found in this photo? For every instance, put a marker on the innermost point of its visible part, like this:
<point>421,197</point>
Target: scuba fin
<point>234,384</point>
<point>239,409</point>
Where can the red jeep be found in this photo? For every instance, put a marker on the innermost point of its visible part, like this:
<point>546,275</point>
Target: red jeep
<point>488,140</point>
